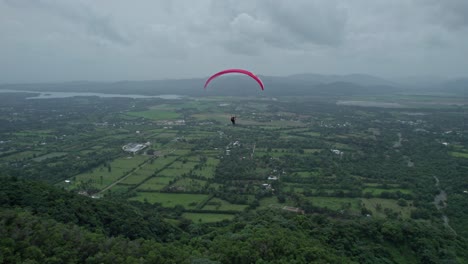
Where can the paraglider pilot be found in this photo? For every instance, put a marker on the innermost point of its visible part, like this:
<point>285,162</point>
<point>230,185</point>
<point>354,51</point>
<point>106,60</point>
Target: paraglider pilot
<point>233,120</point>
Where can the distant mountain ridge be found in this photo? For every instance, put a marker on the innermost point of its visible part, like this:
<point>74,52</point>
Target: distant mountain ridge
<point>360,79</point>
<point>238,85</point>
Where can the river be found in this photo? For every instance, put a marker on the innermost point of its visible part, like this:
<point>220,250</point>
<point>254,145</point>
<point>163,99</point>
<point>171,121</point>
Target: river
<point>369,104</point>
<point>50,95</point>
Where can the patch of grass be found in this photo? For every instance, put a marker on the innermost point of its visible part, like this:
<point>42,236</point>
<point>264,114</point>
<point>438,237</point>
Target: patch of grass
<point>189,185</point>
<point>459,154</point>
<point>374,203</point>
<point>21,156</point>
<point>50,155</point>
<point>155,114</point>
<point>179,152</point>
<point>379,185</point>
<point>159,163</point>
<point>273,202</point>
<point>340,146</point>
<point>177,169</point>
<point>212,152</point>
<point>310,188</point>
<point>275,152</point>
<point>164,135</point>
<point>117,189</point>
<point>162,107</point>
<point>280,123</point>
<point>101,176</point>
<point>378,191</point>
<point>219,204</point>
<point>306,174</point>
<point>155,184</point>
<point>207,218</point>
<point>188,201</point>
<point>308,151</point>
<point>136,177</point>
<point>293,188</point>
<point>336,203</point>
<point>200,135</point>
<point>29,133</point>
<point>97,147</point>
<point>217,117</point>
<point>311,134</point>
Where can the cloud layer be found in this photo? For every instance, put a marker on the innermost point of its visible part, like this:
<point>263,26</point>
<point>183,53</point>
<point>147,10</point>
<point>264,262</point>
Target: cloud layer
<point>56,40</point>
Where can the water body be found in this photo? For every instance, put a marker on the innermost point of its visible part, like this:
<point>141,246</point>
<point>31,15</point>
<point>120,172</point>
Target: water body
<point>51,95</point>
<point>369,104</point>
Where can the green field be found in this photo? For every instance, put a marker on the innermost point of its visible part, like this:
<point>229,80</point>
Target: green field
<point>117,189</point>
<point>21,156</point>
<point>177,169</point>
<point>136,177</point>
<point>335,203</point>
<point>301,188</point>
<point>155,183</point>
<point>165,135</point>
<point>207,218</point>
<point>219,117</point>
<point>372,204</point>
<point>50,155</point>
<point>200,135</point>
<point>148,169</point>
<point>308,151</point>
<point>155,114</point>
<point>188,201</point>
<point>378,191</point>
<point>306,174</point>
<point>188,185</point>
<point>459,154</point>
<point>222,205</point>
<point>162,107</point>
<point>275,152</point>
<point>273,202</point>
<point>33,133</point>
<point>208,170</point>
<point>101,176</point>
<point>311,134</point>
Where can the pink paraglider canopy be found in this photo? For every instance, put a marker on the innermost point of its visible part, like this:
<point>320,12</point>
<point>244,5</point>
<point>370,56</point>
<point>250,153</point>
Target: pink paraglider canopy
<point>253,76</point>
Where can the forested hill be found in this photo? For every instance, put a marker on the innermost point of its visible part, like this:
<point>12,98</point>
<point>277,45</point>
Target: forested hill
<point>42,224</point>
<point>238,85</point>
<point>112,218</point>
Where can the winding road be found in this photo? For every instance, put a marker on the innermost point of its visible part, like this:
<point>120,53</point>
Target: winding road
<point>440,202</point>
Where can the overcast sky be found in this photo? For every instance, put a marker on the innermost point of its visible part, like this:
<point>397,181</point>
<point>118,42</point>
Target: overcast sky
<point>66,40</point>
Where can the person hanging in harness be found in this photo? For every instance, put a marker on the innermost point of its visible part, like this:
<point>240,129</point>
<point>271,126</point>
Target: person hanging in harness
<point>233,120</point>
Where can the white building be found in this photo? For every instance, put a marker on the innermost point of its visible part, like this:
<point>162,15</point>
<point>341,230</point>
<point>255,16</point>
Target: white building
<point>337,152</point>
<point>135,147</point>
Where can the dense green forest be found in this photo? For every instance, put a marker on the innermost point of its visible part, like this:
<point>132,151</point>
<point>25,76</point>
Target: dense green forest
<point>43,224</point>
<point>297,180</point>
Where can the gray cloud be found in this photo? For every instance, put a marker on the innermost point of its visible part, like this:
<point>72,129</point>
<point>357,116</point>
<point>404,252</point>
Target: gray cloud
<point>95,24</point>
<point>310,21</point>
<point>452,14</point>
<point>151,39</point>
<point>279,24</point>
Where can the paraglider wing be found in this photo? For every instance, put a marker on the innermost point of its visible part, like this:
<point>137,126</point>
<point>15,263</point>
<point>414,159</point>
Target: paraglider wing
<point>253,76</point>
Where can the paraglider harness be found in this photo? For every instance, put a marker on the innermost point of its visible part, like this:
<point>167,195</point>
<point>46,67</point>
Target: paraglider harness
<point>233,120</point>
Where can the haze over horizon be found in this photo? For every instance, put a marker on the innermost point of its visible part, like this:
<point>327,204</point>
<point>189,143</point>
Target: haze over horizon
<point>54,41</point>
